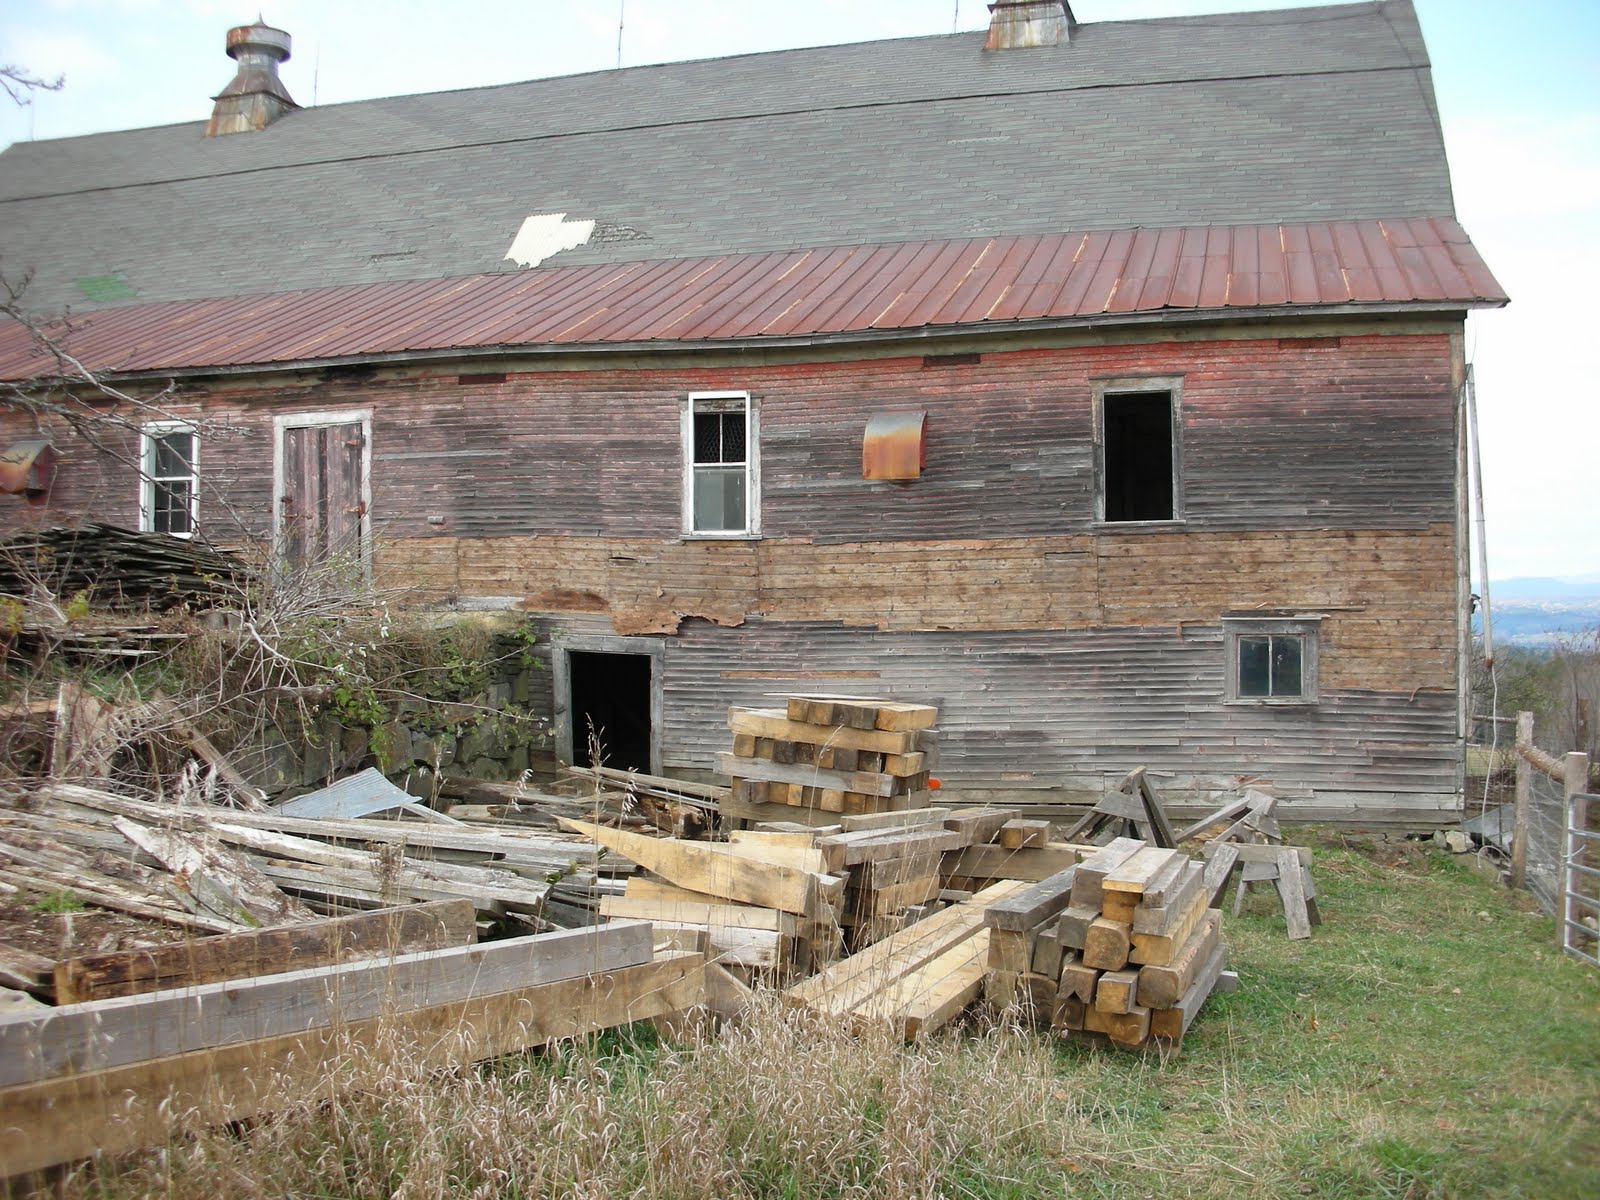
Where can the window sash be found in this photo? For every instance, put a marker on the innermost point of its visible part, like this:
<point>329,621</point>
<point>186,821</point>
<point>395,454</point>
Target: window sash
<point>720,475</point>
<point>170,488</point>
<point>1272,660</point>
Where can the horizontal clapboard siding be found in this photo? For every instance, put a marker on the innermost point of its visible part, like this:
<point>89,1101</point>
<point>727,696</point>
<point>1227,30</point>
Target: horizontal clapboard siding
<point>1066,710</point>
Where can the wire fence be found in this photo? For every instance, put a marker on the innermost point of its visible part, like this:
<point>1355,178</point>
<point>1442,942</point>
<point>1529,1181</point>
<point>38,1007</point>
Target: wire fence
<point>1547,835</point>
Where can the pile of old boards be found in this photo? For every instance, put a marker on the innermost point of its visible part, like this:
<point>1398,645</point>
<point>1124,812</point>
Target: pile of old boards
<point>781,903</point>
<point>163,1040</point>
<point>822,755</point>
<point>1124,946</point>
<point>206,869</point>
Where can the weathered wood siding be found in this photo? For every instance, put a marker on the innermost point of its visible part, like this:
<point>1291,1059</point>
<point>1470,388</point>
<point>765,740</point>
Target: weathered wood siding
<point>1318,474</point>
<point>1068,711</point>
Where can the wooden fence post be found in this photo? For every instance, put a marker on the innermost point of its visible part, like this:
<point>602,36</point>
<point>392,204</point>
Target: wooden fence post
<point>1575,779</point>
<point>1519,828</point>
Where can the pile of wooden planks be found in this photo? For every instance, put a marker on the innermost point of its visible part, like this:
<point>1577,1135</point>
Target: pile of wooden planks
<point>829,755</point>
<point>1122,946</point>
<point>217,870</point>
<point>763,902</point>
<point>119,568</point>
<point>790,899</point>
<point>893,864</point>
<point>130,1067</point>
<point>918,979</point>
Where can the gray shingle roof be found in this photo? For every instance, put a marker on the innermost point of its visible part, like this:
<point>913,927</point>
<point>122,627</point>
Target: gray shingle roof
<point>1302,114</point>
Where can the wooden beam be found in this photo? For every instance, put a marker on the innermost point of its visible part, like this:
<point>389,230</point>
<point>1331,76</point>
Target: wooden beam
<point>149,1102</point>
<point>773,723</point>
<point>679,912</point>
<point>867,783</point>
<point>110,1033</point>
<point>717,871</point>
<point>996,862</point>
<point>402,930</point>
<point>1034,905</point>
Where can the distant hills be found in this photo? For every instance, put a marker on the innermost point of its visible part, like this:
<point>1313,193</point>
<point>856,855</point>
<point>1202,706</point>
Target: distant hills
<point>1540,612</point>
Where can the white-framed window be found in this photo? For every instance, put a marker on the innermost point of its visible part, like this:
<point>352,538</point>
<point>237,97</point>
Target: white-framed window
<point>1139,468</point>
<point>721,465</point>
<point>169,483</point>
<point>1272,660</point>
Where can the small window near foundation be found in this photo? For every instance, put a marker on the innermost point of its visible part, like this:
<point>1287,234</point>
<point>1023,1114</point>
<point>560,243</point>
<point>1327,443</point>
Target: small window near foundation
<point>1138,452</point>
<point>1272,661</point>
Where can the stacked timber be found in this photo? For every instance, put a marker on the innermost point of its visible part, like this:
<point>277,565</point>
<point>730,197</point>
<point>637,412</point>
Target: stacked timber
<point>827,755</point>
<point>893,864</point>
<point>764,903</point>
<point>788,900</point>
<point>1122,946</point>
<point>917,979</point>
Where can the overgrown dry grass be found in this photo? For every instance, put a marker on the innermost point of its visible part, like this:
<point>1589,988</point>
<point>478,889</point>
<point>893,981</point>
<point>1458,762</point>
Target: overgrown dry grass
<point>1429,1042</point>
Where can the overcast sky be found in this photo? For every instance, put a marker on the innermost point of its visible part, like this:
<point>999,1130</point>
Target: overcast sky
<point>1518,84</point>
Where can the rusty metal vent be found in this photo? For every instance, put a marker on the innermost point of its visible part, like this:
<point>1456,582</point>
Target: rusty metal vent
<point>894,447</point>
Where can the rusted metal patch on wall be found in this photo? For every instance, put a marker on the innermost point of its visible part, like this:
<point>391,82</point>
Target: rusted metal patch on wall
<point>894,446</point>
<point>28,468</point>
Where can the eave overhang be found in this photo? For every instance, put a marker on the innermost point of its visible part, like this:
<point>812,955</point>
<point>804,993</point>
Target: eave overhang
<point>826,296</point>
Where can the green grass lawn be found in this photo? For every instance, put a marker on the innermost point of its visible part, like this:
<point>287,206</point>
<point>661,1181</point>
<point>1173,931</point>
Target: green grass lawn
<point>1429,1041</point>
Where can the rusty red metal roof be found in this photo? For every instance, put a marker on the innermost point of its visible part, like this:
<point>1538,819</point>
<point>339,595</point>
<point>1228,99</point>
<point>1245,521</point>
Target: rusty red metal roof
<point>979,283</point>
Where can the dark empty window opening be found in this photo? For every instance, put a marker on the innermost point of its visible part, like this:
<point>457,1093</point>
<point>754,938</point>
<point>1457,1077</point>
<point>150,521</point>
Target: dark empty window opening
<point>1137,456</point>
<point>610,705</point>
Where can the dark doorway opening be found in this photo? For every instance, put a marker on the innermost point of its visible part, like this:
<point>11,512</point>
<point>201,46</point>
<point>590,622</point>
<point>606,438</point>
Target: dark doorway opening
<point>610,698</point>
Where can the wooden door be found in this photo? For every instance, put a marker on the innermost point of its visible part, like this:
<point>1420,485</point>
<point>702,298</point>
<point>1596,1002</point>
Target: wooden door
<point>322,512</point>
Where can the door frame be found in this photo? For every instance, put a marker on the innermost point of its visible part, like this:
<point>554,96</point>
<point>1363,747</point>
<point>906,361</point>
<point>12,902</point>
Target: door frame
<point>561,684</point>
<point>320,420</point>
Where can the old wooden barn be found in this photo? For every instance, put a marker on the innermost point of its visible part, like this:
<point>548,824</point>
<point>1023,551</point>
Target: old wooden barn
<point>1098,383</point>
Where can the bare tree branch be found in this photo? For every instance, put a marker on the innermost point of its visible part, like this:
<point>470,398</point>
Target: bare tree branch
<point>20,84</point>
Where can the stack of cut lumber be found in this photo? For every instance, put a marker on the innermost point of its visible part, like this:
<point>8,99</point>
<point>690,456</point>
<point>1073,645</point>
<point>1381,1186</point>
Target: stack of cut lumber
<point>1122,946</point>
<point>829,755</point>
<point>163,1044</point>
<point>918,979</point>
<point>1002,845</point>
<point>893,865</point>
<point>763,902</point>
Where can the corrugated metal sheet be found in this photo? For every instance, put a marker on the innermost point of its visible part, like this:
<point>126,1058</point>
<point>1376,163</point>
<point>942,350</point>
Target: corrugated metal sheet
<point>364,794</point>
<point>976,283</point>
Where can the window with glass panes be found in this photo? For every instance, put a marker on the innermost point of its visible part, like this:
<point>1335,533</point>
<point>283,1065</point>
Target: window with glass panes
<point>721,462</point>
<point>171,480</point>
<point>1272,660</point>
